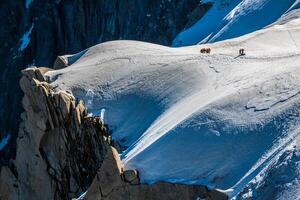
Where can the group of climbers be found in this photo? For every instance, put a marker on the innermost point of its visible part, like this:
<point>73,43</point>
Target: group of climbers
<point>205,50</point>
<point>208,50</point>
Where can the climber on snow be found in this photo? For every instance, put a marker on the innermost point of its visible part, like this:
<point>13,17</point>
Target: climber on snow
<point>242,52</point>
<point>205,50</point>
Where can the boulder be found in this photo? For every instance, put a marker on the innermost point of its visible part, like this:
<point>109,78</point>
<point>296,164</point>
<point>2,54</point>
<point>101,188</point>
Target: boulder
<point>217,194</point>
<point>39,76</point>
<point>131,176</point>
<point>60,62</point>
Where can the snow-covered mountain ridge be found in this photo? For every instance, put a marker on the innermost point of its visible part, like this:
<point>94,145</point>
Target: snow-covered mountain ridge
<point>232,18</point>
<point>220,120</point>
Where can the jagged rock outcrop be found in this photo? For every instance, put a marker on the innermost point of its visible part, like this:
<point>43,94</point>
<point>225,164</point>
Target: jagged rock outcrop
<point>68,26</point>
<point>110,184</point>
<point>63,152</point>
<point>59,148</point>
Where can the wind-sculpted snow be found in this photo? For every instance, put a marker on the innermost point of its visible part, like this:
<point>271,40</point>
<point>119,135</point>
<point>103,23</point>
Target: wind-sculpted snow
<point>229,19</point>
<point>279,177</point>
<point>216,119</point>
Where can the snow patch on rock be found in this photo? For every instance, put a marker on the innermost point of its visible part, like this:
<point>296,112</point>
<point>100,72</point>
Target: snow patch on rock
<point>25,40</point>
<point>4,142</point>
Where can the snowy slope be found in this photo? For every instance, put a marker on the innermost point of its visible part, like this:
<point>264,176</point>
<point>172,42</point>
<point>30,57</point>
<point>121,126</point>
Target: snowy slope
<point>233,18</point>
<point>219,119</point>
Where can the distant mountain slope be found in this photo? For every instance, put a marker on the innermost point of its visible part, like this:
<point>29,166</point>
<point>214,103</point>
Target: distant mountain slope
<point>232,18</point>
<point>221,120</point>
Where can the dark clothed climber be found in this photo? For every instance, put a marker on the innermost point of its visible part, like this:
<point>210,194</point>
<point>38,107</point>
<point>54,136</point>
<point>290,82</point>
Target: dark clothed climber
<point>242,52</point>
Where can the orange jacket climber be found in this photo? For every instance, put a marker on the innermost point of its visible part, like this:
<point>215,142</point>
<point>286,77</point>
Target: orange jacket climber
<point>205,50</point>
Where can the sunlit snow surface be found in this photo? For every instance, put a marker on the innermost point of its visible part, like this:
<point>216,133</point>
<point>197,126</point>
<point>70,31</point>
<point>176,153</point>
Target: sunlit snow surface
<point>232,18</point>
<point>220,120</point>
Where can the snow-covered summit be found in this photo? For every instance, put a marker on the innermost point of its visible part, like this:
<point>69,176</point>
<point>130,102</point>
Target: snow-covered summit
<point>232,18</point>
<point>221,120</point>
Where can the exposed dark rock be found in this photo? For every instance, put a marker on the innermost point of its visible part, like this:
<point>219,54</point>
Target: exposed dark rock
<point>60,62</point>
<point>197,14</point>
<point>131,176</point>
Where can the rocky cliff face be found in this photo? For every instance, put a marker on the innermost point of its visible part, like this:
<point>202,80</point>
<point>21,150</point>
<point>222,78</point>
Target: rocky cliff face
<point>59,148</point>
<point>62,152</point>
<point>36,31</point>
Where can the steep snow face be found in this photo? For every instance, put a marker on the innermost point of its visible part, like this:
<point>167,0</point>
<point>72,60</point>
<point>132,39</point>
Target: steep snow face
<point>220,119</point>
<point>280,179</point>
<point>233,18</point>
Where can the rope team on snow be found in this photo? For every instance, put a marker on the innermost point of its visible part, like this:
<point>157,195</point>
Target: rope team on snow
<point>208,50</point>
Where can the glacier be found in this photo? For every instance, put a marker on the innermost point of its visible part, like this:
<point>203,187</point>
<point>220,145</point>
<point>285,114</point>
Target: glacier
<point>220,119</point>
